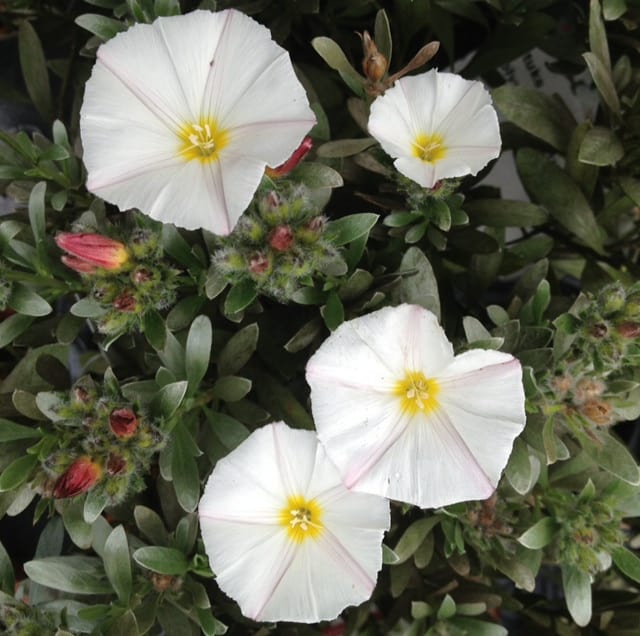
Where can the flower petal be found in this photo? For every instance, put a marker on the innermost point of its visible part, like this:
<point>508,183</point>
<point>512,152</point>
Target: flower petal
<point>150,94</point>
<point>455,114</point>
<point>482,393</point>
<point>272,576</point>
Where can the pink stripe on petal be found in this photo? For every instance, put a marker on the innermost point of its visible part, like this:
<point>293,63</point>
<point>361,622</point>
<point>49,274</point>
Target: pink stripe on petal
<point>362,467</point>
<point>448,427</point>
<point>94,182</point>
<point>289,555</point>
<point>151,100</point>
<point>342,557</point>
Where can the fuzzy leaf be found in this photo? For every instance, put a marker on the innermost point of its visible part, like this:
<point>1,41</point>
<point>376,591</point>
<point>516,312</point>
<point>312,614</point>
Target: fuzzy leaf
<point>551,186</point>
<point>17,472</point>
<point>151,525</point>
<point>238,350</point>
<point>10,431</point>
<point>72,574</point>
<point>600,147</point>
<point>413,537</point>
<point>25,301</point>
<point>102,26</point>
<point>184,470</point>
<point>504,213</point>
<point>603,81</point>
<point>577,592</point>
<point>198,351</point>
<point>333,55</point>
<point>117,563</point>
<point>627,562</point>
<point>349,228</point>
<point>162,560</point>
<point>538,114</point>
<point>34,69</point>
<point>539,534</point>
<point>240,296</point>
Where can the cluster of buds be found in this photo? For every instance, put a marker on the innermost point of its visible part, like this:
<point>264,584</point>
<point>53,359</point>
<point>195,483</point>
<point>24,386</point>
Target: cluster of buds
<point>128,279</point>
<point>103,442</point>
<point>589,528</point>
<point>601,367</point>
<point>488,526</point>
<point>20,619</point>
<point>280,243</point>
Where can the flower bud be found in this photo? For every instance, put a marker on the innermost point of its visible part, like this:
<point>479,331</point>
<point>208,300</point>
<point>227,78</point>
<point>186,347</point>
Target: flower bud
<point>629,330</point>
<point>281,238</point>
<point>116,465</point>
<point>612,299</point>
<point>374,64</point>
<point>598,411</point>
<point>123,422</point>
<point>141,275</point>
<point>298,155</point>
<point>91,251</point>
<point>259,264</point>
<point>125,302</point>
<point>81,476</point>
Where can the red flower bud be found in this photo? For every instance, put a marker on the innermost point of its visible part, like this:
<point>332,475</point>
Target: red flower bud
<point>123,422</point>
<point>281,238</point>
<point>125,302</point>
<point>630,330</point>
<point>78,478</point>
<point>298,155</point>
<point>91,251</point>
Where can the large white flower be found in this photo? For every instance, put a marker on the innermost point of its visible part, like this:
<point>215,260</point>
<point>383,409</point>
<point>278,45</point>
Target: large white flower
<point>285,538</point>
<point>436,126</point>
<point>403,418</point>
<point>180,117</point>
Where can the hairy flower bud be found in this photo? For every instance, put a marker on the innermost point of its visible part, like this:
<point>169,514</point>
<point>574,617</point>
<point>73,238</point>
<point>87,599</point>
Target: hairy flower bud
<point>629,330</point>
<point>81,476</point>
<point>89,252</point>
<point>281,238</point>
<point>598,411</point>
<point>125,302</point>
<point>259,264</point>
<point>123,422</point>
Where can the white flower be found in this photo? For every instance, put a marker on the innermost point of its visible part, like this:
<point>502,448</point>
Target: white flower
<point>180,117</point>
<point>436,126</point>
<point>285,538</point>
<point>403,418</point>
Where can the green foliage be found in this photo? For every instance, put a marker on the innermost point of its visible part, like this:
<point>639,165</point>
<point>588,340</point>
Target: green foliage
<point>202,339</point>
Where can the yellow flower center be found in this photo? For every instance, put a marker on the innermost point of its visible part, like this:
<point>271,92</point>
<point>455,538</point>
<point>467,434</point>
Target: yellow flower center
<point>416,393</point>
<point>203,140</point>
<point>301,518</point>
<point>429,148</point>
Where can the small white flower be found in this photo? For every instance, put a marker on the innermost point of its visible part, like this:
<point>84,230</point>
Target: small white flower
<point>436,126</point>
<point>403,418</point>
<point>284,537</point>
<point>180,117</point>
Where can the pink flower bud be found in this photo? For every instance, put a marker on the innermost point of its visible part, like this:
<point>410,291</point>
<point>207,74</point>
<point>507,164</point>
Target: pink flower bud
<point>123,422</point>
<point>91,251</point>
<point>281,238</point>
<point>298,155</point>
<point>81,476</point>
<point>259,263</point>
